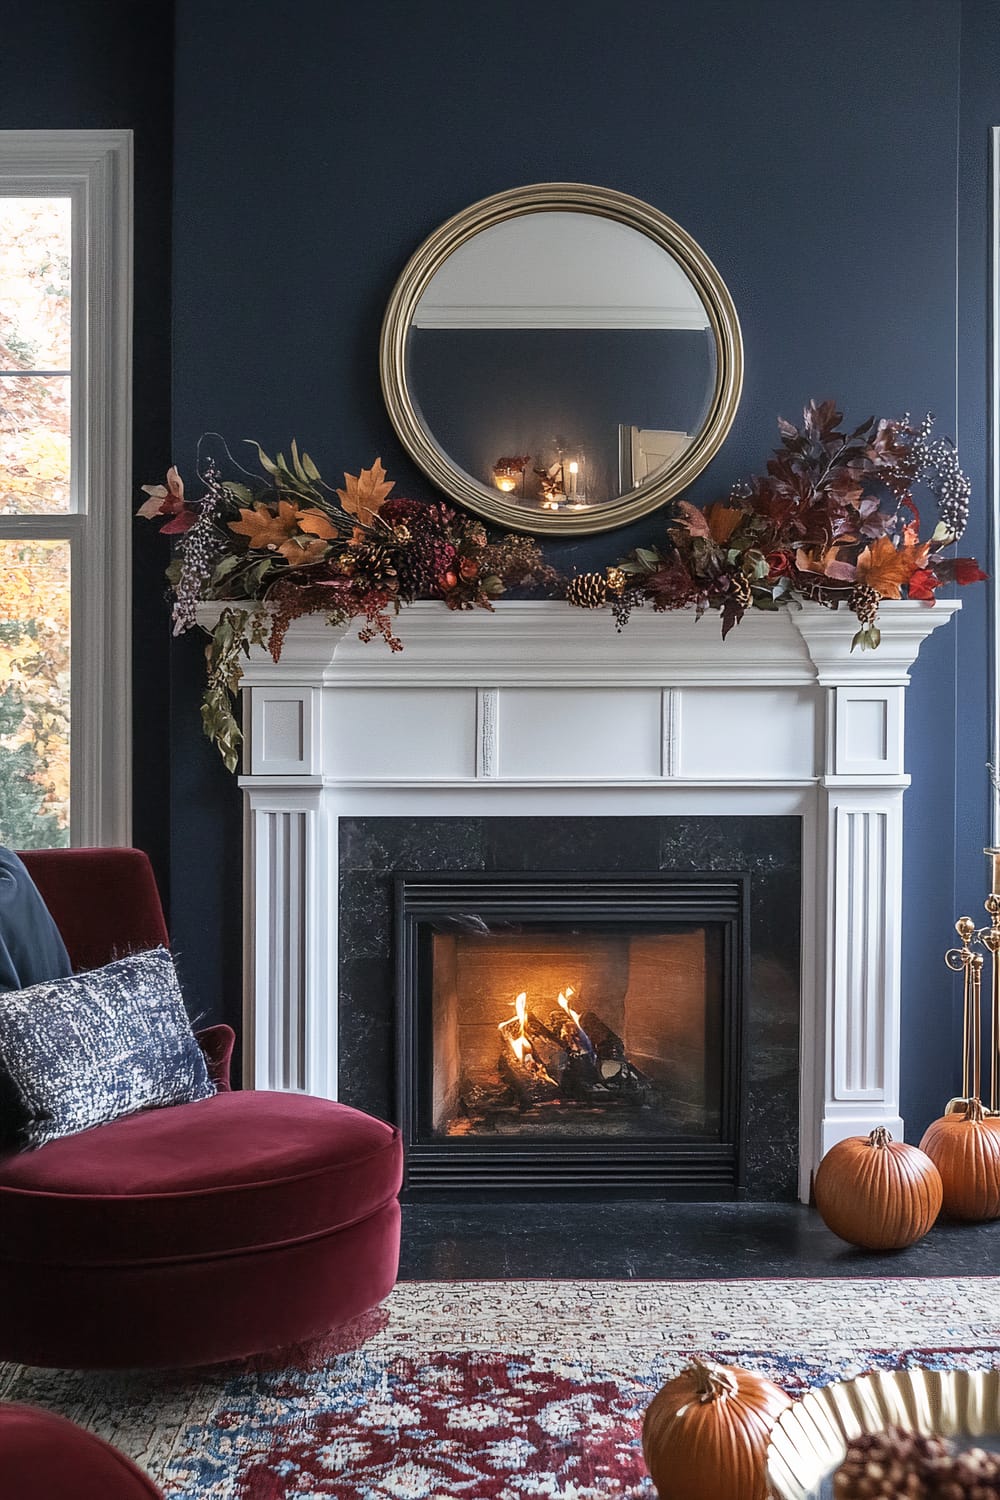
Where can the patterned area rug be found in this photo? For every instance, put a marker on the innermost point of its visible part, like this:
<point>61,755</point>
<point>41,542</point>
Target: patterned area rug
<point>484,1391</point>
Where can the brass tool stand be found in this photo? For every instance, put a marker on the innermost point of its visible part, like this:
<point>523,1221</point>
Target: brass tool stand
<point>968,962</point>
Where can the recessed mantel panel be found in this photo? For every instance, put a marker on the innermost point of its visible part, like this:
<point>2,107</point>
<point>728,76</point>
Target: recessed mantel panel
<point>414,734</point>
<point>569,734</point>
<point>760,733</point>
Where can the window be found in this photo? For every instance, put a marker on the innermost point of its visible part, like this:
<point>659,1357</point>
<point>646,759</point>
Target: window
<point>65,481</point>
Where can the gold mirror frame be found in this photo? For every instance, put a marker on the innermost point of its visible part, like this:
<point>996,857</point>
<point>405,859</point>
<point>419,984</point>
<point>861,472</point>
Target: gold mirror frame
<point>560,197</point>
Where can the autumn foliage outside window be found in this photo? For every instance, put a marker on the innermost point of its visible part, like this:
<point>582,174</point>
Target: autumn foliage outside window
<point>35,482</point>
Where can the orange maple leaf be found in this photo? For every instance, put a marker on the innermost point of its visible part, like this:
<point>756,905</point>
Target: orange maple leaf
<point>298,551</point>
<point>827,563</point>
<point>887,569</point>
<point>722,520</point>
<point>317,524</point>
<point>365,492</point>
<point>266,528</point>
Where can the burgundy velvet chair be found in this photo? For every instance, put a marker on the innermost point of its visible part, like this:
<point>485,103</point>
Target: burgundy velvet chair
<point>44,1457</point>
<point>197,1233</point>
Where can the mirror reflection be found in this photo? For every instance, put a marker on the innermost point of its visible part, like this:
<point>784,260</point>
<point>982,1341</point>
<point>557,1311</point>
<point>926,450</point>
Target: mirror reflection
<point>562,360</point>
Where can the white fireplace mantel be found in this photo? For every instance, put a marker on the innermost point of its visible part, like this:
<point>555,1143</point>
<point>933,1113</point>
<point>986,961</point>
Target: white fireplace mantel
<point>541,709</point>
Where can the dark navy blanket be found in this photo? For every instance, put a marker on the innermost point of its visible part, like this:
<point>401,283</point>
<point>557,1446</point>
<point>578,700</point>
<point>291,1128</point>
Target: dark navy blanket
<point>31,949</point>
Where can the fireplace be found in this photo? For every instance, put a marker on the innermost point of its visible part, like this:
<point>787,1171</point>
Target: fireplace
<point>540,719</point>
<point>572,1030</point>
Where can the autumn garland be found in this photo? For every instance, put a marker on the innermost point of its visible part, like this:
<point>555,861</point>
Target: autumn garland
<point>833,519</point>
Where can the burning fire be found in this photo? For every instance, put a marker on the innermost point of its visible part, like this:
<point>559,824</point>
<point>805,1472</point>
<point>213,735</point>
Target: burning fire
<point>520,1043</point>
<point>564,996</point>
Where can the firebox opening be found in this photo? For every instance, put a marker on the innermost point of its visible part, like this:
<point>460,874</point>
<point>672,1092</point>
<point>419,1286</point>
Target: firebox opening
<point>633,1083</point>
<point>610,1031</point>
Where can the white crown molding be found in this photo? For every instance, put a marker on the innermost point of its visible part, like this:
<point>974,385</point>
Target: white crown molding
<point>568,645</point>
<point>461,315</point>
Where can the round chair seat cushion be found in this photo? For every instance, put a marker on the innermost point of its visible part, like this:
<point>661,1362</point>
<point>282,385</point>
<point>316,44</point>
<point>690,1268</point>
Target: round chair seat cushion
<point>244,1171</point>
<point>44,1457</point>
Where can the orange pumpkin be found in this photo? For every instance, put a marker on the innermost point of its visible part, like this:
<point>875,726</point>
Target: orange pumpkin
<point>705,1433</point>
<point>877,1192</point>
<point>965,1147</point>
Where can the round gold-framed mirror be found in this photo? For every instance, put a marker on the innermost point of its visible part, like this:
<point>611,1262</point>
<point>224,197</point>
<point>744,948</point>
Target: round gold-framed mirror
<point>561,358</point>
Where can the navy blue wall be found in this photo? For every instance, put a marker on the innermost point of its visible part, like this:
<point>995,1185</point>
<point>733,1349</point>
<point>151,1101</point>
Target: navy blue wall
<point>109,66</point>
<point>312,158</point>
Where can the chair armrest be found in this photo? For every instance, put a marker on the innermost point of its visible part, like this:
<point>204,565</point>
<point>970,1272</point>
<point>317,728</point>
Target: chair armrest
<point>217,1042</point>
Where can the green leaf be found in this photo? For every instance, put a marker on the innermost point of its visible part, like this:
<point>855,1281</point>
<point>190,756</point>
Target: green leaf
<point>310,468</point>
<point>265,462</point>
<point>227,565</point>
<point>242,493</point>
<point>869,638</point>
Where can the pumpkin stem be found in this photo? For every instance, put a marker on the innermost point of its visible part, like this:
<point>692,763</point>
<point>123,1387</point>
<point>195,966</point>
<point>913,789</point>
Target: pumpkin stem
<point>713,1380</point>
<point>974,1111</point>
<point>880,1137</point>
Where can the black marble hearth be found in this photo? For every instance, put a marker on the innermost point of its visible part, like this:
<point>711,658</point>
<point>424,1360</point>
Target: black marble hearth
<point>665,1242</point>
<point>374,850</point>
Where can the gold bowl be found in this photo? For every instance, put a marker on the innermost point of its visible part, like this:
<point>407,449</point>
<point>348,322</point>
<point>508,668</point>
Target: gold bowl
<point>810,1438</point>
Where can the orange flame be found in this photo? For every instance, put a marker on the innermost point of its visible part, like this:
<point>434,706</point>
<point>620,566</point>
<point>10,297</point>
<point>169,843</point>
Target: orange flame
<point>519,1043</point>
<point>564,1002</point>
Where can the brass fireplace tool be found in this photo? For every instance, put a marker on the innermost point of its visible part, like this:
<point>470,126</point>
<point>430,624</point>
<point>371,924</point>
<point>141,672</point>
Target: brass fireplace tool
<point>969,963</point>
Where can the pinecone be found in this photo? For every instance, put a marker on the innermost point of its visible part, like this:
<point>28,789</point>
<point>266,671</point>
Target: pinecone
<point>372,567</point>
<point>864,601</point>
<point>424,560</point>
<point>617,578</point>
<point>587,591</point>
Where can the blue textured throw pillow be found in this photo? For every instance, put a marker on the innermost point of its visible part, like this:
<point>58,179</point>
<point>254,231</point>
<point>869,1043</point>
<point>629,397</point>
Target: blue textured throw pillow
<point>85,1050</point>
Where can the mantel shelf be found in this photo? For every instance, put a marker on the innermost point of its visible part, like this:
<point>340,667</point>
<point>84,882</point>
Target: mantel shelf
<point>550,643</point>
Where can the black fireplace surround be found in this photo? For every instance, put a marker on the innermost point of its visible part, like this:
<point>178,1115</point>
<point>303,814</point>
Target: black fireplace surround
<point>726,889</point>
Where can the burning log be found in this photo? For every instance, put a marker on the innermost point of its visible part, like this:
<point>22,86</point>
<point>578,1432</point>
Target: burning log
<point>613,1066</point>
<point>580,1074</point>
<point>518,1064</point>
<point>549,1048</point>
<point>607,1043</point>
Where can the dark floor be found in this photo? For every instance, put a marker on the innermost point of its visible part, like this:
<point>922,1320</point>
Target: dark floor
<point>666,1241</point>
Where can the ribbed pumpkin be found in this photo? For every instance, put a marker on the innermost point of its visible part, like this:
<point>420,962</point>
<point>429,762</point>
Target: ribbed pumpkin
<point>965,1148</point>
<point>877,1192</point>
<point>705,1433</point>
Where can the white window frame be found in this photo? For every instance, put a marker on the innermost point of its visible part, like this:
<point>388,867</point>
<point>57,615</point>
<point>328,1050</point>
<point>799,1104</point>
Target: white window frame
<point>994,462</point>
<point>94,169</point>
